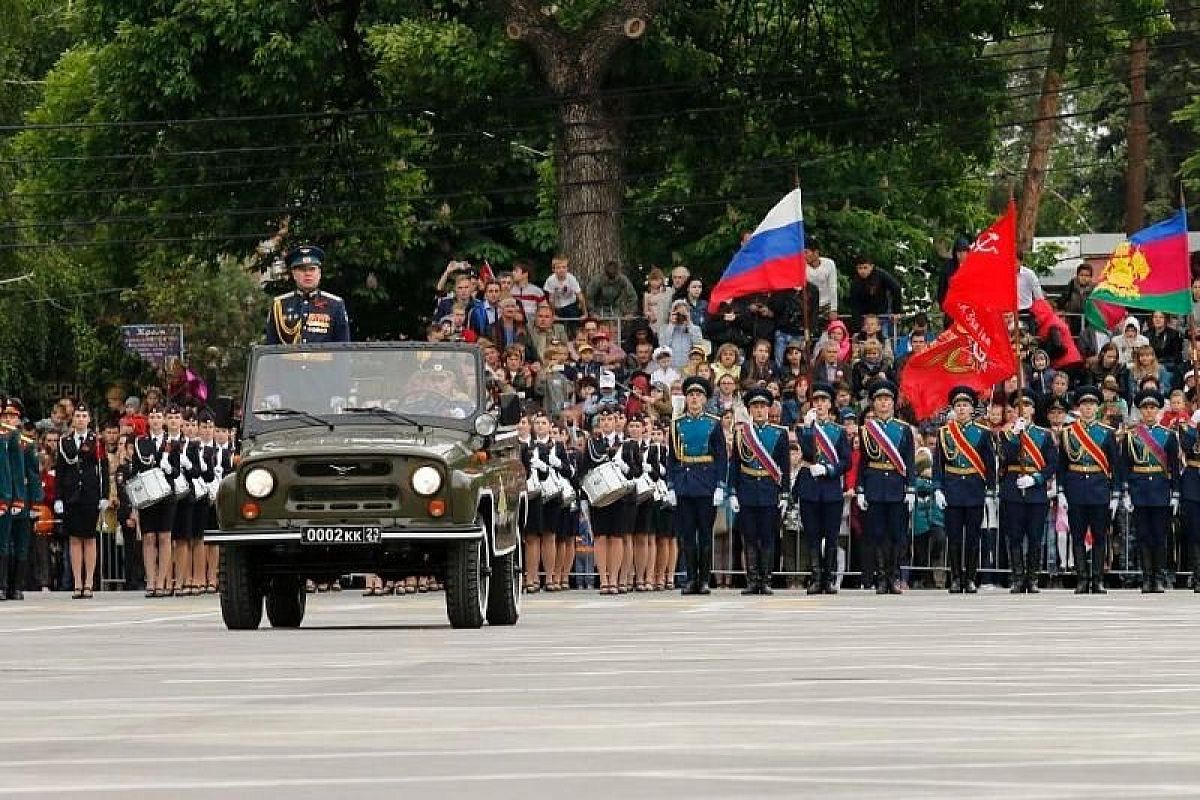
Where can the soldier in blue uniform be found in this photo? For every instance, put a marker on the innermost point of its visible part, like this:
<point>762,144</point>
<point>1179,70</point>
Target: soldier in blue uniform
<point>27,491</point>
<point>1028,461</point>
<point>307,315</point>
<point>10,498</point>
<point>964,473</point>
<point>886,490</point>
<point>1189,492</point>
<point>825,451</point>
<point>1089,481</point>
<point>696,480</point>
<point>1150,464</point>
<point>760,474</point>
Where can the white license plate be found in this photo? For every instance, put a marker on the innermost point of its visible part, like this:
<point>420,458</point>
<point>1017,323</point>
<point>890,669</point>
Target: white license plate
<point>341,534</point>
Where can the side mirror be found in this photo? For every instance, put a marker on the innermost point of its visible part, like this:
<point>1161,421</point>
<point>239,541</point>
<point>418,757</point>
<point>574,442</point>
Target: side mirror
<point>510,409</point>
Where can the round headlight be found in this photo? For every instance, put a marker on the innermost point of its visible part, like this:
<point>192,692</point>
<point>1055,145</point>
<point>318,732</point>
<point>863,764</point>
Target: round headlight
<point>259,483</point>
<point>485,424</point>
<point>426,481</point>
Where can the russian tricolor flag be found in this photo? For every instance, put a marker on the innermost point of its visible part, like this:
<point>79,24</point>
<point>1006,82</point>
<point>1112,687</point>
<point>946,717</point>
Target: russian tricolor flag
<point>772,259</point>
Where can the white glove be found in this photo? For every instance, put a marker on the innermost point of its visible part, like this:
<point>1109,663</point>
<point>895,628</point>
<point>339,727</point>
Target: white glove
<point>1062,501</point>
<point>719,497</point>
<point>783,504</point>
<point>555,461</point>
<point>184,461</point>
<point>1127,503</point>
<point>103,505</point>
<point>218,472</point>
<point>810,417</point>
<point>1025,482</point>
<point>1112,506</point>
<point>1019,425</point>
<point>620,462</point>
<point>817,470</point>
<point>1196,417</point>
<point>862,502</point>
<point>671,500</point>
<point>537,463</point>
<point>1174,504</point>
<point>34,513</point>
<point>58,507</point>
<point>734,505</point>
<point>939,500</point>
<point>164,463</point>
<point>910,501</point>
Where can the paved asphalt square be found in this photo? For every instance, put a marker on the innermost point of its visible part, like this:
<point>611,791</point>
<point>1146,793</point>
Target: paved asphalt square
<point>655,696</point>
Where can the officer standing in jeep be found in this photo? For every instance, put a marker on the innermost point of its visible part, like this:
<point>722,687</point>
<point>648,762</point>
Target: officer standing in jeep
<point>307,315</point>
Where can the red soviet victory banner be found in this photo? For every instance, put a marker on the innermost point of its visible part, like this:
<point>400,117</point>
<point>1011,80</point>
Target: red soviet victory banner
<point>955,359</point>
<point>988,276</point>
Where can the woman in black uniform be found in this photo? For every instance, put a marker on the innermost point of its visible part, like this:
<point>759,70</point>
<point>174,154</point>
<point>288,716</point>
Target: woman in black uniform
<point>205,460</point>
<point>545,456</point>
<point>665,544</point>
<point>532,533</point>
<point>642,551</point>
<point>601,448</point>
<point>181,483</point>
<point>151,452</point>
<point>568,515</point>
<point>82,494</point>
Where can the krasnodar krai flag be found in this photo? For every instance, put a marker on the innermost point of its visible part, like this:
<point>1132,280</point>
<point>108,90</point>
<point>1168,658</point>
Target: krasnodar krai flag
<point>771,259</point>
<point>1150,272</point>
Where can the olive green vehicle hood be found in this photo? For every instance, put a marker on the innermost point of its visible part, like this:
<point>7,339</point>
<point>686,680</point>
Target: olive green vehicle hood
<point>444,443</point>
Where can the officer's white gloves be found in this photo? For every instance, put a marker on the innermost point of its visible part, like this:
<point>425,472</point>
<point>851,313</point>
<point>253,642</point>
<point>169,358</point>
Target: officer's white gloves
<point>164,463</point>
<point>910,501</point>
<point>1062,501</point>
<point>1025,482</point>
<point>734,505</point>
<point>719,496</point>
<point>58,507</point>
<point>810,417</point>
<point>862,502</point>
<point>1175,504</point>
<point>1019,425</point>
<point>103,505</point>
<point>1127,503</point>
<point>671,499</point>
<point>939,500</point>
<point>817,470</point>
<point>1112,505</point>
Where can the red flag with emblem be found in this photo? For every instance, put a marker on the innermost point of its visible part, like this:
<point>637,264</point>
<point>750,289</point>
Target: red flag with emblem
<point>955,359</point>
<point>486,274</point>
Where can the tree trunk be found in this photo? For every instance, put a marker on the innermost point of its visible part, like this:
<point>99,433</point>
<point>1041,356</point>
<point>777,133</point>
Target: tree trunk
<point>1137,137</point>
<point>1045,128</point>
<point>590,164</point>
<point>591,185</point>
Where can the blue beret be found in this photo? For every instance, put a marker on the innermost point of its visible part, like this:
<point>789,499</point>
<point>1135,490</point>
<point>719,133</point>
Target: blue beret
<point>304,256</point>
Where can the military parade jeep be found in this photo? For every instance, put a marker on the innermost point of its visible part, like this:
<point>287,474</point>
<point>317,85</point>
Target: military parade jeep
<point>382,458</point>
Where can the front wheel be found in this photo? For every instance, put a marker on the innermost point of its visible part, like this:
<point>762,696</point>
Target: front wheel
<point>504,599</point>
<point>241,595</point>
<point>467,583</point>
<point>286,602</point>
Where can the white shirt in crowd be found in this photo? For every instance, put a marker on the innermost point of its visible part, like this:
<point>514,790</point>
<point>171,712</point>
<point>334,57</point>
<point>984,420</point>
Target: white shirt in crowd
<point>562,293</point>
<point>823,278</point>
<point>1029,288</point>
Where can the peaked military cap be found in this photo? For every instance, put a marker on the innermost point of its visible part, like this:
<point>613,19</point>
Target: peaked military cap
<point>697,384</point>
<point>305,256</point>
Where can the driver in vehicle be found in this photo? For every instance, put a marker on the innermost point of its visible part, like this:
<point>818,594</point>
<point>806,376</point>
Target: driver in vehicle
<point>434,389</point>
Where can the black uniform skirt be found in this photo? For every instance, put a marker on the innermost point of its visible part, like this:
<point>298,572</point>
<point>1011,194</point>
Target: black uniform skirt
<point>158,518</point>
<point>182,526</point>
<point>641,519</point>
<point>200,510</point>
<point>628,505</point>
<point>533,521</point>
<point>606,520</point>
<point>79,519</point>
<point>551,514</point>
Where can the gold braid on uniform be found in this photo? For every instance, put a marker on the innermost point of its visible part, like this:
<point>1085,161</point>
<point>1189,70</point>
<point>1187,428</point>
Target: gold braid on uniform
<point>287,335</point>
<point>872,448</point>
<point>949,446</point>
<point>1138,450</point>
<point>1072,453</point>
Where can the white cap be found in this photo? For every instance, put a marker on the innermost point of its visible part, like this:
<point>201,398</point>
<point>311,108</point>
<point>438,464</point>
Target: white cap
<point>662,350</point>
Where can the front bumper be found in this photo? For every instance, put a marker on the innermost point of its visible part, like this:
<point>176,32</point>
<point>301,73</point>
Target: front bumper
<point>408,533</point>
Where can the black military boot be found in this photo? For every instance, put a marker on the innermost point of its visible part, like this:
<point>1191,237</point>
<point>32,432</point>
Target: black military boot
<point>1147,556</point>
<point>766,569</point>
<point>750,557</point>
<point>1097,582</point>
<point>818,581</point>
<point>1194,551</point>
<point>970,568</point>
<point>1031,571</point>
<point>704,572</point>
<point>1081,567</point>
<point>954,550</point>
<point>1016,563</point>
<point>4,577</point>
<point>693,569</point>
<point>1158,585</point>
<point>829,572</point>
<point>15,580</point>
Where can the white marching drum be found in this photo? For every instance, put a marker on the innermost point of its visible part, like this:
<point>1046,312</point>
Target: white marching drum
<point>605,485</point>
<point>147,488</point>
<point>644,487</point>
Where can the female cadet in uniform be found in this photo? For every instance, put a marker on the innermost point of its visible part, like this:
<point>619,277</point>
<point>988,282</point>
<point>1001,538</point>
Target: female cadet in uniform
<point>152,452</point>
<point>642,550</point>
<point>601,448</point>
<point>568,517</point>
<point>666,546</point>
<point>181,528</point>
<point>82,484</point>
<point>631,467</point>
<point>549,457</point>
<point>533,517</point>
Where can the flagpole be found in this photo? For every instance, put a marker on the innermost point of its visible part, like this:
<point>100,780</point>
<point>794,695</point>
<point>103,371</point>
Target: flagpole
<point>1016,323</point>
<point>804,265</point>
<point>1191,315</point>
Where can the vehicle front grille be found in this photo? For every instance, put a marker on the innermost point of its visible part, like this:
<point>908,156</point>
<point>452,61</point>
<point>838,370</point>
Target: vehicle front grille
<point>343,468</point>
<point>344,497</point>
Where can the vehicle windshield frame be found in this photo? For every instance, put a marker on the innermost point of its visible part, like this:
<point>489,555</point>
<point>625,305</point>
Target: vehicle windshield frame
<point>253,425</point>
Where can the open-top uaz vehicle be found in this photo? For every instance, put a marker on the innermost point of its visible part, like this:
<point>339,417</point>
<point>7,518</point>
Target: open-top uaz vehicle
<point>381,458</point>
